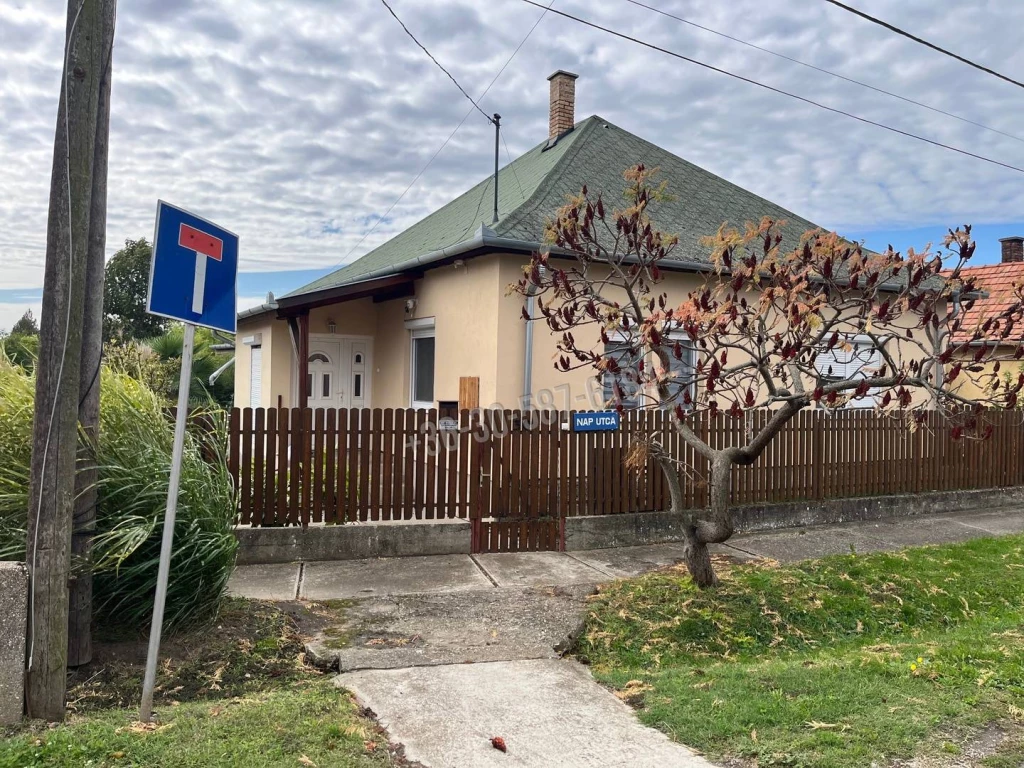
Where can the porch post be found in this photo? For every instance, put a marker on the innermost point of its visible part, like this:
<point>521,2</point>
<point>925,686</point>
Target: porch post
<point>303,358</point>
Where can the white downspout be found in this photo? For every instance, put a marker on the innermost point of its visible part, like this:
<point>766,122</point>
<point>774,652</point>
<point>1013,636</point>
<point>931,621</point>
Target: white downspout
<point>531,302</point>
<point>216,374</point>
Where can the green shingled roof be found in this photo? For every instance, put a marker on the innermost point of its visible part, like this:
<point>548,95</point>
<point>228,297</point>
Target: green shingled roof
<point>532,187</point>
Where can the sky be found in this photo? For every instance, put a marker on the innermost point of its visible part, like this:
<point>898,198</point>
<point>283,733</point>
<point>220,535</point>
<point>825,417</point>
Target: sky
<point>298,123</point>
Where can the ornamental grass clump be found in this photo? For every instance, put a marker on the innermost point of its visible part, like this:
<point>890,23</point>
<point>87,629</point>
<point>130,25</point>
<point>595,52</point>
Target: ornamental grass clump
<point>133,456</point>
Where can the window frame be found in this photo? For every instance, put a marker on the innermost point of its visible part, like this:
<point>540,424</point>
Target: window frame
<point>414,335</point>
<point>615,340</point>
<point>690,355</point>
<point>644,397</point>
<point>859,340</point>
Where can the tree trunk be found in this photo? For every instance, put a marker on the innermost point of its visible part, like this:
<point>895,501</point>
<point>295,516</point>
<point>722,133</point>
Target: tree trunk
<point>717,526</point>
<point>695,550</point>
<point>84,522</point>
<point>698,562</point>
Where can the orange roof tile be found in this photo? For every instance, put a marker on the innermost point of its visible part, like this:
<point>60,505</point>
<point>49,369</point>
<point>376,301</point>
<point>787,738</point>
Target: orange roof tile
<point>997,280</point>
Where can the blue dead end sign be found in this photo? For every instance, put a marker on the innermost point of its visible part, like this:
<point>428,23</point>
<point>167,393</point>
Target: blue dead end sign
<point>193,273</point>
<point>596,421</point>
<point>192,279</point>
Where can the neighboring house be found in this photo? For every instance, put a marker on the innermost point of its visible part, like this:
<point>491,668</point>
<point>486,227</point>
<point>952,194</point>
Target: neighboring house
<point>996,282</point>
<point>424,320</point>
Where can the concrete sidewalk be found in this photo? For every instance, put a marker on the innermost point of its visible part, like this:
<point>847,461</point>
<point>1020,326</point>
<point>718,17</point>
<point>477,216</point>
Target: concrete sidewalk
<point>451,651</point>
<point>446,574</point>
<point>548,713</point>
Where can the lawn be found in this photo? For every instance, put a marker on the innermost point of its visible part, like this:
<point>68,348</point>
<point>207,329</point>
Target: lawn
<point>236,693</point>
<point>855,660</point>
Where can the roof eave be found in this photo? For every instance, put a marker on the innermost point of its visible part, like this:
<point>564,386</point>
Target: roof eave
<point>483,240</point>
<point>262,309</point>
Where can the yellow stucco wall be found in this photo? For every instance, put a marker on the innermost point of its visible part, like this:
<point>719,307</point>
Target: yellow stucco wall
<point>972,385</point>
<point>580,389</point>
<point>351,318</point>
<point>463,302</point>
<point>276,356</point>
<point>479,331</point>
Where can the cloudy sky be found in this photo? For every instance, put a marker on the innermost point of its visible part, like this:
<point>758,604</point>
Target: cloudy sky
<point>297,123</point>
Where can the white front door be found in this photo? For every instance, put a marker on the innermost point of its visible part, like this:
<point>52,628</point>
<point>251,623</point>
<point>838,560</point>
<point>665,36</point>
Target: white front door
<point>339,370</point>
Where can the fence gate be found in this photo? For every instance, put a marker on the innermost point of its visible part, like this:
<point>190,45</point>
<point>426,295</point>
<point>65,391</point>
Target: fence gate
<point>520,500</point>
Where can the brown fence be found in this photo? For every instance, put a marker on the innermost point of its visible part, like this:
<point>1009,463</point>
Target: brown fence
<point>521,473</point>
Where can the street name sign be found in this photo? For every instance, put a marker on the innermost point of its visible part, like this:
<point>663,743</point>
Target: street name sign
<point>598,421</point>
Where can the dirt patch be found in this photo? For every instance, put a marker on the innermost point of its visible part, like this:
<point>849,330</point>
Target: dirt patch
<point>970,750</point>
<point>250,646</point>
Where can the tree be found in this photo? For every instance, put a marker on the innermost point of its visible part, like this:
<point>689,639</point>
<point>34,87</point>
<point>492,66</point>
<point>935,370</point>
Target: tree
<point>26,326</point>
<point>126,284</point>
<point>205,361</point>
<point>767,328</point>
<point>21,345</point>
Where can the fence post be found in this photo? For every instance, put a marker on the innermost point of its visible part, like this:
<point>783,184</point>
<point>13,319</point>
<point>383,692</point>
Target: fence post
<point>819,458</point>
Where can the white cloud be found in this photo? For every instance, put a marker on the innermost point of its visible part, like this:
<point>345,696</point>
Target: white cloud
<point>294,122</point>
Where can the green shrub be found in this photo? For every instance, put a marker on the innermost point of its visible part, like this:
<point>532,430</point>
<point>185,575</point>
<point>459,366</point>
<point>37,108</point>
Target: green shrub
<point>133,455</point>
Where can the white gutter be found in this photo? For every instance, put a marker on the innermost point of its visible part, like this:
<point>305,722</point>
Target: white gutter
<point>216,374</point>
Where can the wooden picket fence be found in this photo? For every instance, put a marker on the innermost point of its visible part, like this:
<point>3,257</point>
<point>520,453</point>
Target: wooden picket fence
<point>517,475</point>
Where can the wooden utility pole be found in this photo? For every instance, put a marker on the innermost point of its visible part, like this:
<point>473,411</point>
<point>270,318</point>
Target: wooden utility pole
<point>84,524</point>
<point>55,426</point>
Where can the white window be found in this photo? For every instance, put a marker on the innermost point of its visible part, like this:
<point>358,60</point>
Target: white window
<point>683,372</point>
<point>854,357</point>
<point>625,378</point>
<point>255,376</point>
<point>422,368</point>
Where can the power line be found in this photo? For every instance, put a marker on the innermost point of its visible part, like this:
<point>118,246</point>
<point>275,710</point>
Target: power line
<point>825,71</point>
<point>446,141</point>
<point>773,89</point>
<point>511,166</point>
<point>440,66</point>
<point>916,39</point>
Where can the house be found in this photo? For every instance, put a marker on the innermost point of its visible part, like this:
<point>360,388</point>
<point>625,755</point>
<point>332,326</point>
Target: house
<point>424,320</point>
<point>996,283</point>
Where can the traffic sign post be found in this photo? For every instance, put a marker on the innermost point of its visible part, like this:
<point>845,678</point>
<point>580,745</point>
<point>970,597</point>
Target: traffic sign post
<point>209,301</point>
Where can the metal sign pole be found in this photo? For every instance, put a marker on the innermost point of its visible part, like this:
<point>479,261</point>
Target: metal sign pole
<point>146,710</point>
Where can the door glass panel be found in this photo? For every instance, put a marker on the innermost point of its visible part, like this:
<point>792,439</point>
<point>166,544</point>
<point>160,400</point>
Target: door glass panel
<point>357,385</point>
<point>327,385</point>
<point>309,385</point>
<point>423,375</point>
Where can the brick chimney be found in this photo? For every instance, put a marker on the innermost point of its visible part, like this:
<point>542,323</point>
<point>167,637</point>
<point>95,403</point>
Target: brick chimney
<point>1013,249</point>
<point>562,107</point>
